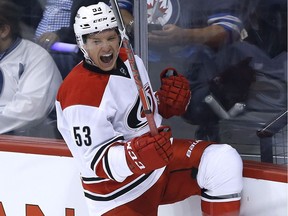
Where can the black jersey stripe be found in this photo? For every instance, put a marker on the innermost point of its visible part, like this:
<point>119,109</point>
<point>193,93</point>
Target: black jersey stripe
<point>89,180</point>
<point>119,193</point>
<point>102,149</point>
<point>107,167</point>
<point>228,196</point>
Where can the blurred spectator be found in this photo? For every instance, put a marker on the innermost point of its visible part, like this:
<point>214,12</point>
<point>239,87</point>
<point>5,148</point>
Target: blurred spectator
<point>191,33</point>
<point>32,11</point>
<point>29,78</point>
<point>266,23</point>
<point>56,15</point>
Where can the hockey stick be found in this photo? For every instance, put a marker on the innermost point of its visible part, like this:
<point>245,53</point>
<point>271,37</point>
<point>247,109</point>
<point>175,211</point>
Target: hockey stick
<point>130,53</point>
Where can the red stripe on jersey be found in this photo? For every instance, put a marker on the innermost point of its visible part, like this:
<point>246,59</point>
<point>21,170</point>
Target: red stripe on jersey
<point>82,87</point>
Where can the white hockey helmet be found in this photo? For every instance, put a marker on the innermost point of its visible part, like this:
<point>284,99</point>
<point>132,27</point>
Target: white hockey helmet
<point>93,18</point>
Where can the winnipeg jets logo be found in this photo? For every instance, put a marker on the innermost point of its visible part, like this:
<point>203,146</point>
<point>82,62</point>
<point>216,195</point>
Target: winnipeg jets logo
<point>156,11</point>
<point>136,117</point>
<point>163,11</point>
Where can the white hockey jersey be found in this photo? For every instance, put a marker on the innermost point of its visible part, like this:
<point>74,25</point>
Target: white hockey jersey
<point>29,81</point>
<point>95,110</point>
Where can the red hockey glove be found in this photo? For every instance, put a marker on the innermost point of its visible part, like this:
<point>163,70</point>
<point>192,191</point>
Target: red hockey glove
<point>146,153</point>
<point>174,94</point>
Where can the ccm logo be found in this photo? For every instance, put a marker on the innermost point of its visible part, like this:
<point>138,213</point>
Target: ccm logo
<point>134,157</point>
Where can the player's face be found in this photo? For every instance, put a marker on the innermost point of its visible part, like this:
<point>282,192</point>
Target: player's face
<point>103,48</point>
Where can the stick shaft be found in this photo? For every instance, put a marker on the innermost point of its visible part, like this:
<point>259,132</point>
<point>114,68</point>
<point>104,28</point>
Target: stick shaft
<point>131,58</point>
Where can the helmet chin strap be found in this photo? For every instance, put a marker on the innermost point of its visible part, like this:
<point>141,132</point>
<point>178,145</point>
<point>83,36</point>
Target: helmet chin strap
<point>87,57</point>
<point>120,45</point>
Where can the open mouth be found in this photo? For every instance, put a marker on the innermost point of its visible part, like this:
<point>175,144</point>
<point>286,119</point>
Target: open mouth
<point>106,58</point>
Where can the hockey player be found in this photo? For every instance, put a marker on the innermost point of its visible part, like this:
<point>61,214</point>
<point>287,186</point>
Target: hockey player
<point>124,169</point>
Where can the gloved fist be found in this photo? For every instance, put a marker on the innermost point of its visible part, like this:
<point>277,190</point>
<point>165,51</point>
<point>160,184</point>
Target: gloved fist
<point>174,94</point>
<point>146,153</point>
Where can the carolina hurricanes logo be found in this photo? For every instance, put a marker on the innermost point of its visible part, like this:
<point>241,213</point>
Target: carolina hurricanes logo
<point>136,117</point>
<point>163,11</point>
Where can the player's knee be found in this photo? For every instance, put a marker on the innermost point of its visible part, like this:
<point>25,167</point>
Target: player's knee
<point>220,170</point>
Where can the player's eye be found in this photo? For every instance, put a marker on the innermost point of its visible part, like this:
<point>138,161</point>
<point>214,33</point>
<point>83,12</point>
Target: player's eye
<point>112,38</point>
<point>97,42</point>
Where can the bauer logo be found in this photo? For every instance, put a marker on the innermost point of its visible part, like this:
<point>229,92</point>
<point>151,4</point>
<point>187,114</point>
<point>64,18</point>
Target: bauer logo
<point>191,147</point>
